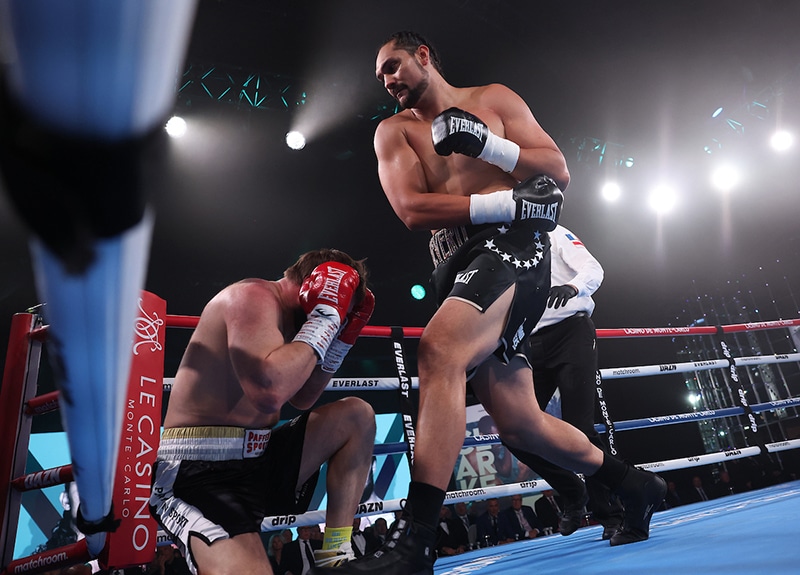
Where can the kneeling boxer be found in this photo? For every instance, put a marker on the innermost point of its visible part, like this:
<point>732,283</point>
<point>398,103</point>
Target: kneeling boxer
<point>222,464</point>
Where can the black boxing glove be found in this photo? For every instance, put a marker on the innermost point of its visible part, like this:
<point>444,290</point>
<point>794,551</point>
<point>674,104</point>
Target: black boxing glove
<point>456,130</point>
<point>537,198</point>
<point>559,295</point>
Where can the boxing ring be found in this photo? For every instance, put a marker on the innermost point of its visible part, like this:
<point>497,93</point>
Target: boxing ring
<point>754,531</point>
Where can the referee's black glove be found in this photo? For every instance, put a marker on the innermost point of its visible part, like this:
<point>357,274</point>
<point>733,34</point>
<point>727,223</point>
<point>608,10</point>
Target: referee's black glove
<point>559,295</point>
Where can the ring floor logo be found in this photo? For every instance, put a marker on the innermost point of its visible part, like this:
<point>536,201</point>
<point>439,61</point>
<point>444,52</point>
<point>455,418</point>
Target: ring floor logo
<point>476,564</point>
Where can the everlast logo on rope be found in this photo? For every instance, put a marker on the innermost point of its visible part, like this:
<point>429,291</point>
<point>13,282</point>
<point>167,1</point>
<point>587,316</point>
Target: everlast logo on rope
<point>532,210</point>
<point>330,291</point>
<point>355,383</point>
<point>408,424</point>
<point>405,381</point>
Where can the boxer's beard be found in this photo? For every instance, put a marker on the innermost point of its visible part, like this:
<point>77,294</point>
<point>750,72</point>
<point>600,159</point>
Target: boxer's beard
<point>414,94</point>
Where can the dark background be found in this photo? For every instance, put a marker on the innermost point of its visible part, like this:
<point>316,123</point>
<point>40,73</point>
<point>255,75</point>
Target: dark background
<point>646,76</point>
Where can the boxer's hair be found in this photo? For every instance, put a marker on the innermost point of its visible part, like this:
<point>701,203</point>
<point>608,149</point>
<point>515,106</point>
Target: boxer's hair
<point>410,41</point>
<point>306,263</point>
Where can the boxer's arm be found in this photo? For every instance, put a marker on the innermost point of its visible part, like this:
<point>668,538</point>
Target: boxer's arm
<point>357,318</point>
<point>270,371</point>
<point>538,153</point>
<point>311,390</point>
<point>403,181</point>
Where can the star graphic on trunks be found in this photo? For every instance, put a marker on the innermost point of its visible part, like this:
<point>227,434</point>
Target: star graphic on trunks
<point>507,257</point>
<point>537,235</point>
<point>503,229</point>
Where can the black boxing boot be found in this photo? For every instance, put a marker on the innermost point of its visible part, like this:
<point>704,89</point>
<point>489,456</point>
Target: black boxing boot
<point>411,545</point>
<point>572,515</point>
<point>610,529</point>
<point>408,550</point>
<point>606,508</point>
<point>573,491</point>
<point>641,493</point>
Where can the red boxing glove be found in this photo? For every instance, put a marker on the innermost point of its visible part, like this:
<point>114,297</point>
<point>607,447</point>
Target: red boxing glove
<point>325,296</point>
<point>355,322</point>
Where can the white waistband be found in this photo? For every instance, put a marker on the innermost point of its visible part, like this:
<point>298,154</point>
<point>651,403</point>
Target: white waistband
<point>212,443</point>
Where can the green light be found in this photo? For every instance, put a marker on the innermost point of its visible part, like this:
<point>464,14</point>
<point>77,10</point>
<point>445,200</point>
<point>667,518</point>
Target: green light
<point>418,292</point>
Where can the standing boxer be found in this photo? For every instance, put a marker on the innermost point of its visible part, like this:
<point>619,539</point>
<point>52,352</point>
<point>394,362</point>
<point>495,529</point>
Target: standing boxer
<point>221,466</point>
<point>474,166</point>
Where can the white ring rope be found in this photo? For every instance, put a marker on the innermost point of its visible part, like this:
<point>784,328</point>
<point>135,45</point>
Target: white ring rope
<point>667,368</point>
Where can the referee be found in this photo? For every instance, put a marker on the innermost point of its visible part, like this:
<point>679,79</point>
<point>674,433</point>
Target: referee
<point>562,351</point>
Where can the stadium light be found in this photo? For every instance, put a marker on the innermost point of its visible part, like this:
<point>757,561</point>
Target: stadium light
<point>611,192</point>
<point>176,127</point>
<point>295,140</point>
<point>725,178</point>
<point>663,198</point>
<point>781,141</point>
